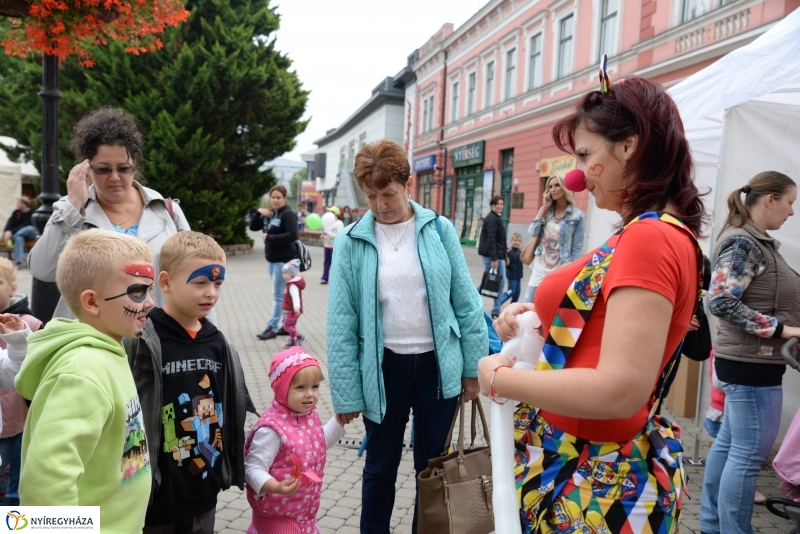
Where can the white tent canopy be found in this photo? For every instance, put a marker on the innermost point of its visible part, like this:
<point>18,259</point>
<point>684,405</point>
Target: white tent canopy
<point>742,117</point>
<point>11,173</point>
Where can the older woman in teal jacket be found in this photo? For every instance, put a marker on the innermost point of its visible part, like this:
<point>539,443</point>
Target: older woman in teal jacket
<point>405,326</point>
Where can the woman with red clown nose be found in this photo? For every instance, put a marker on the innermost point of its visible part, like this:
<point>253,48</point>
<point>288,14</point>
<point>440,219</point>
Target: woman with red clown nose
<point>591,448</point>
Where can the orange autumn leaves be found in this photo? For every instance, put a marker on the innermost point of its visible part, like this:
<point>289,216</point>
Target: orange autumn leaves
<point>65,27</point>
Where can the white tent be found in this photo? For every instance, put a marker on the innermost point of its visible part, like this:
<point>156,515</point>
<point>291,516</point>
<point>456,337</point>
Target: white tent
<point>11,174</point>
<point>742,117</point>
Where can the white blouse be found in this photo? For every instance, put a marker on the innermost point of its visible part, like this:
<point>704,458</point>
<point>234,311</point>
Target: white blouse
<point>401,290</point>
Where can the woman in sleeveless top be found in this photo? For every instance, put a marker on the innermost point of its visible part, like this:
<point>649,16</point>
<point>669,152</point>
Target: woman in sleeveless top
<point>756,296</point>
<point>591,452</point>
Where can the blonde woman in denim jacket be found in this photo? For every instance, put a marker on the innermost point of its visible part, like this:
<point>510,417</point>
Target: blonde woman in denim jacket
<point>562,226</point>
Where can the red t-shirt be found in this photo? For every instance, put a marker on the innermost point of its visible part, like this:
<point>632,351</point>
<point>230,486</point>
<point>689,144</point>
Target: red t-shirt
<point>650,254</point>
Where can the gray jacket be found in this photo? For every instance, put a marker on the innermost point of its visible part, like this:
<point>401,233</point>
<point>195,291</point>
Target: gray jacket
<point>776,292</point>
<point>144,357</point>
<point>155,227</point>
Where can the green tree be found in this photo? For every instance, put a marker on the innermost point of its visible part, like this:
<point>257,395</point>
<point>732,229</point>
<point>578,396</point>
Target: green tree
<point>215,104</point>
<point>295,183</point>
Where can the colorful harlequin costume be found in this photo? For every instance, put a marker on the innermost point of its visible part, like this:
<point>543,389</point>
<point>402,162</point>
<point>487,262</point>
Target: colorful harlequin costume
<point>577,475</point>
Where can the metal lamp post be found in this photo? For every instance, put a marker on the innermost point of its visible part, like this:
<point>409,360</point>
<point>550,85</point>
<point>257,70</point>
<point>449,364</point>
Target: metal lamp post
<point>45,295</point>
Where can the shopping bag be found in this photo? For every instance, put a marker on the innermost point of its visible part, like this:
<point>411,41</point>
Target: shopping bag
<point>490,284</point>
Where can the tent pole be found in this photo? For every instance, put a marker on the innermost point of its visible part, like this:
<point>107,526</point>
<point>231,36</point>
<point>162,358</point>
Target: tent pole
<point>696,451</point>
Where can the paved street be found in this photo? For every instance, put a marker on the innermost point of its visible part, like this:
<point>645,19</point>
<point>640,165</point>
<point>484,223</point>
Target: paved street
<point>242,313</point>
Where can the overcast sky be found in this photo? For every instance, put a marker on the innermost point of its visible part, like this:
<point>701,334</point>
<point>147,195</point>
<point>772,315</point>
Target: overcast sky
<point>342,49</point>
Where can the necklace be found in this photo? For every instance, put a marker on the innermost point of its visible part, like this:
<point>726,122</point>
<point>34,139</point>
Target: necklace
<point>557,218</point>
<point>120,225</point>
<point>395,245</point>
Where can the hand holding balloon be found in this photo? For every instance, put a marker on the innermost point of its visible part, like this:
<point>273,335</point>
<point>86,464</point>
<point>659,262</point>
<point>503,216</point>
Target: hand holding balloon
<point>526,346</point>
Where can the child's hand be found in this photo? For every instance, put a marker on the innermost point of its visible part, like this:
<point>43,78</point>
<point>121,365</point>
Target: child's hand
<point>10,322</point>
<point>290,487</point>
<point>345,418</point>
<point>297,311</point>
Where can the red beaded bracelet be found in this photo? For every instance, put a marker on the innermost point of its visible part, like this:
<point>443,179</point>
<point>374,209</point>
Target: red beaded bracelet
<point>492,390</point>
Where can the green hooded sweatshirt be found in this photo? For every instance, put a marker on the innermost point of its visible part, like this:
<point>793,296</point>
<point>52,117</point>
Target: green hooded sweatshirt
<point>84,441</point>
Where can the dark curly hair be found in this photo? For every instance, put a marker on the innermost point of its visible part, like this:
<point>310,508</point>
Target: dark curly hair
<point>107,126</point>
<point>661,163</point>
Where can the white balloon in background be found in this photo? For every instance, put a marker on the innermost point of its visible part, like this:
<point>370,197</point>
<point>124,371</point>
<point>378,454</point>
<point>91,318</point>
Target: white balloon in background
<point>328,219</point>
<point>526,346</point>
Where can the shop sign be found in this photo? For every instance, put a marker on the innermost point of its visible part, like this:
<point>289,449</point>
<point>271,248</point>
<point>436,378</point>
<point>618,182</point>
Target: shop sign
<point>471,154</point>
<point>559,165</point>
<point>425,163</point>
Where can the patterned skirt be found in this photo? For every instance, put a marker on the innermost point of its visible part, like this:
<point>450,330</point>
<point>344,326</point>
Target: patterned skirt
<point>569,485</point>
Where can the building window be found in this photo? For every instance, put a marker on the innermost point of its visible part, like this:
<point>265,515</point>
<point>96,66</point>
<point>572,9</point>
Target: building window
<point>565,46</point>
<point>424,116</point>
<point>535,62</point>
<point>488,100</point>
<point>362,140</point>
<point>608,27</point>
<point>511,73</point>
<point>430,113</point>
<point>471,93</point>
<point>692,9</point>
<point>454,104</point>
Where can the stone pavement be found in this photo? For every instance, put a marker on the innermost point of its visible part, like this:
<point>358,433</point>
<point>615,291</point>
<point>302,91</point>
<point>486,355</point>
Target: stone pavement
<point>243,312</point>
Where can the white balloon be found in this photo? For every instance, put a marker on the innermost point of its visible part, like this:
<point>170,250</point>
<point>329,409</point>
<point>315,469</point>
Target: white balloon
<point>328,219</point>
<point>526,346</point>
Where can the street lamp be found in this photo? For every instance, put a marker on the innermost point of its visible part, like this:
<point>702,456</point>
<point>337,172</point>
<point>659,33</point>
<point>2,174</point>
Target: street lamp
<point>45,295</point>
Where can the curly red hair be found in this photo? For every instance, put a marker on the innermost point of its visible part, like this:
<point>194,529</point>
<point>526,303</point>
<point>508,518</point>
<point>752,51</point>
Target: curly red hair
<point>660,169</point>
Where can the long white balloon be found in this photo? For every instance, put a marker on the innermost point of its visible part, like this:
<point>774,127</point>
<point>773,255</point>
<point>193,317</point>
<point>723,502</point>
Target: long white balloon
<point>526,346</point>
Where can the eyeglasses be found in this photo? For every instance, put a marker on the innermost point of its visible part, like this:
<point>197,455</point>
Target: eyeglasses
<point>127,170</point>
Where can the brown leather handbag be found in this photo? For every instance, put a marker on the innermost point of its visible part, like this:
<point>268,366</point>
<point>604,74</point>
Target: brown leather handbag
<point>529,250</point>
<point>455,491</point>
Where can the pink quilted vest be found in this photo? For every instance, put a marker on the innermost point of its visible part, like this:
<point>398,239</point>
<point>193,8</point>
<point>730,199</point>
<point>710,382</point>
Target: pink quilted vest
<point>302,435</point>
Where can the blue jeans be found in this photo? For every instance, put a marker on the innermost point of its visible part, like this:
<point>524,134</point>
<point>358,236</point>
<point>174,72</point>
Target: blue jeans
<point>749,428</point>
<point>501,270</point>
<point>513,291</point>
<point>10,452</point>
<point>412,384</point>
<point>19,237</point>
<point>278,283</point>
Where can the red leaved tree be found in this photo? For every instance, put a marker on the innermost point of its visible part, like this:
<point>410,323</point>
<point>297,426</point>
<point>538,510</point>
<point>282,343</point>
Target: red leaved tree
<point>62,28</point>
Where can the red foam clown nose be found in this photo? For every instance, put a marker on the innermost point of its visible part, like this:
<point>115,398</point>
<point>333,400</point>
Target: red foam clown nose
<point>575,180</point>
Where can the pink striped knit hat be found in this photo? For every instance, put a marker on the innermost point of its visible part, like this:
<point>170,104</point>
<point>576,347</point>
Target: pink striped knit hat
<point>284,366</point>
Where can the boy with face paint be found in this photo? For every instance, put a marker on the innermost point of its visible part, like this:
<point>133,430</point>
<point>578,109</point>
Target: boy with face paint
<point>84,441</point>
<point>192,390</point>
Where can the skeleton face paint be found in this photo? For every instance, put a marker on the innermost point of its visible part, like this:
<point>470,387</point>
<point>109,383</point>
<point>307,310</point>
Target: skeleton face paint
<point>136,292</point>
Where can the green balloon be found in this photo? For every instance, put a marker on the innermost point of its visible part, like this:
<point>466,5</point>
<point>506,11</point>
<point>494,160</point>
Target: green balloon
<point>313,221</point>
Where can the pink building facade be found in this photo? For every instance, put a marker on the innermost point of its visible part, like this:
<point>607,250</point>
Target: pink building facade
<point>487,94</point>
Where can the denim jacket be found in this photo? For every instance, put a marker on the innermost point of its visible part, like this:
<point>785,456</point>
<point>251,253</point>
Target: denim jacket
<point>571,230</point>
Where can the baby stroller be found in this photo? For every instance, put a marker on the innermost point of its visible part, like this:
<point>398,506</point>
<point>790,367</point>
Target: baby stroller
<point>787,461</point>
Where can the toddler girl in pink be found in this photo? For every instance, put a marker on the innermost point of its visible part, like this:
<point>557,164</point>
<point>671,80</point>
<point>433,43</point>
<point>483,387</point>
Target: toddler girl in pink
<point>284,455</point>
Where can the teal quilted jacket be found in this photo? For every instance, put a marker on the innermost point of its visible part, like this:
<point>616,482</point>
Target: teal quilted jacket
<point>355,332</point>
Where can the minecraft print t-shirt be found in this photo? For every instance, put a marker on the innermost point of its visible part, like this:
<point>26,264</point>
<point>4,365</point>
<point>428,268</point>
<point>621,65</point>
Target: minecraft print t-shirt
<point>191,455</point>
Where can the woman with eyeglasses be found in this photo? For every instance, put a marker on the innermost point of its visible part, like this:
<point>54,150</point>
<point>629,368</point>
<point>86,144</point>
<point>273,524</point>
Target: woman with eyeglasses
<point>102,193</point>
